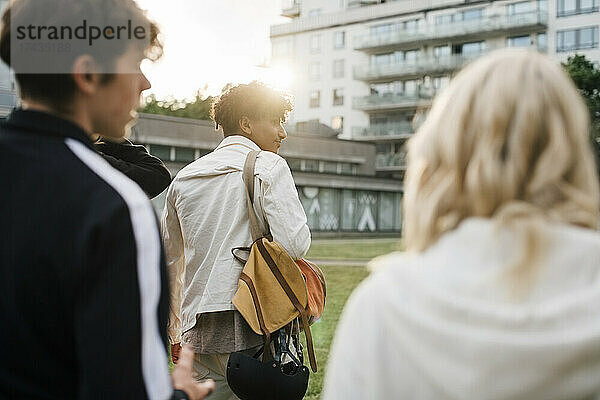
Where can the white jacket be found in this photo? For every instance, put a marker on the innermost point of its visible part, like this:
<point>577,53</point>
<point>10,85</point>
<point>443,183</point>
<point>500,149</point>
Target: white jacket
<point>446,323</point>
<point>206,215</point>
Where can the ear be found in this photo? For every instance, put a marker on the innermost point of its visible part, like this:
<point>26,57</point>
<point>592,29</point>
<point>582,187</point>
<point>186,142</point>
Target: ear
<point>245,126</point>
<point>85,74</point>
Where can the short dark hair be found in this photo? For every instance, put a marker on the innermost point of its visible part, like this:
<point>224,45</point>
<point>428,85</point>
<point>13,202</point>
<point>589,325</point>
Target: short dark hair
<point>57,89</point>
<point>254,100</point>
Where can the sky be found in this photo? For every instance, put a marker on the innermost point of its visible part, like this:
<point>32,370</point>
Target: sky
<point>209,43</point>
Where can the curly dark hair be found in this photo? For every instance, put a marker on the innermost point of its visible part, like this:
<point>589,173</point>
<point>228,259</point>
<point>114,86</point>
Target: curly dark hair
<point>254,100</point>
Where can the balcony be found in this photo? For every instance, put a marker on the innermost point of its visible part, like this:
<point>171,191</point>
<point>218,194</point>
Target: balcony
<point>291,9</point>
<point>389,131</point>
<point>411,69</point>
<point>389,101</point>
<point>464,30</point>
<point>390,162</point>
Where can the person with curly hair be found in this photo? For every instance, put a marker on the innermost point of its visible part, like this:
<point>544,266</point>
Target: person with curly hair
<point>206,215</point>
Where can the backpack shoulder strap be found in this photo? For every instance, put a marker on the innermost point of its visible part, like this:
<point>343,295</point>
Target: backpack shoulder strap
<point>248,175</point>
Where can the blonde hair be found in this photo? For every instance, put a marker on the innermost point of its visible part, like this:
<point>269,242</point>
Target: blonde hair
<point>507,140</point>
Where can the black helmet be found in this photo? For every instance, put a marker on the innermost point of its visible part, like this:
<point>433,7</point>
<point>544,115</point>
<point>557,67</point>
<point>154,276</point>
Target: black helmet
<point>252,379</point>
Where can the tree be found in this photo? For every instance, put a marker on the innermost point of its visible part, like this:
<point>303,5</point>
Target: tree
<point>586,76</point>
<point>199,108</point>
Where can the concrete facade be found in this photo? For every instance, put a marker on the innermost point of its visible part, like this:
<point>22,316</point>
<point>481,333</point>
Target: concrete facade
<point>335,178</point>
<point>398,54</point>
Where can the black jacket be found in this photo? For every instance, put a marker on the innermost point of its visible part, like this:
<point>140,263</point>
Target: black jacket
<point>134,161</point>
<point>83,288</point>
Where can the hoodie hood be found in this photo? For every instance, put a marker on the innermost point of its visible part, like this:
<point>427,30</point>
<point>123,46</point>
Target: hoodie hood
<point>448,323</point>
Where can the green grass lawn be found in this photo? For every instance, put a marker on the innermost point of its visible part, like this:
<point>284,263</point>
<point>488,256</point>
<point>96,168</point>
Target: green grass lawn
<point>351,249</point>
<point>340,283</point>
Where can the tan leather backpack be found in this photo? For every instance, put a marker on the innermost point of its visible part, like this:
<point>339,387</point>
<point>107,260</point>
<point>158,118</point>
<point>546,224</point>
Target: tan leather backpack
<point>272,290</point>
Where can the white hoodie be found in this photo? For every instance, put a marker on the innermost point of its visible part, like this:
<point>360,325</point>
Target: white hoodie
<point>446,323</point>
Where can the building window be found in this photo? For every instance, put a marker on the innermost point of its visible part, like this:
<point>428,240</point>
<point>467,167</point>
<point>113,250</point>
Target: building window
<point>330,167</point>
<point>410,88</point>
<point>571,7</point>
<point>184,154</point>
<point>566,40</point>
<point>588,38</point>
<point>384,29</point>
<point>518,41</point>
<point>566,7</point>
<point>338,68</point>
<point>315,44</point>
<point>411,25</point>
<point>295,164</point>
<point>315,12</point>
<point>338,97</point>
<point>314,71</point>
<point>411,55</point>
<point>382,59</point>
<point>339,40</point>
<point>521,7</point>
<point>470,49</point>
<point>444,19</point>
<point>346,169</point>
<point>584,38</point>
<point>542,41</point>
<point>162,152</point>
<point>310,165</point>
<point>469,15</point>
<point>441,51</point>
<point>315,99</point>
<point>382,89</point>
<point>440,82</point>
<point>337,123</point>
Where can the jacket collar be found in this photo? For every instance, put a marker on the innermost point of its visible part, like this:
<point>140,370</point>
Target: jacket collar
<point>238,140</point>
<point>42,123</point>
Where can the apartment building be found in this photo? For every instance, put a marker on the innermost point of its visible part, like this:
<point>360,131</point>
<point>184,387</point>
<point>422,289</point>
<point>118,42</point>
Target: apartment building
<point>370,68</point>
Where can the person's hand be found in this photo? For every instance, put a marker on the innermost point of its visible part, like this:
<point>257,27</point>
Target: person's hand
<point>175,352</point>
<point>183,380</point>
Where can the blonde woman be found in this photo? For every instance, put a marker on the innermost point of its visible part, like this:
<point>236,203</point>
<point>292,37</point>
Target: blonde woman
<point>498,293</point>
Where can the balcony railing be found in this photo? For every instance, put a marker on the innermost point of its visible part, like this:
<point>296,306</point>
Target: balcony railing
<point>389,101</point>
<point>431,32</point>
<point>394,130</point>
<point>390,162</point>
<point>417,67</point>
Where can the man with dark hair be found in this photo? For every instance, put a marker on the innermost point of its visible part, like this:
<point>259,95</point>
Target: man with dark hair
<point>83,305</point>
<point>206,216</point>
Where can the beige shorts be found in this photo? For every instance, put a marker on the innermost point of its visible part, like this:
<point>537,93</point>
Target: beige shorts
<point>214,366</point>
